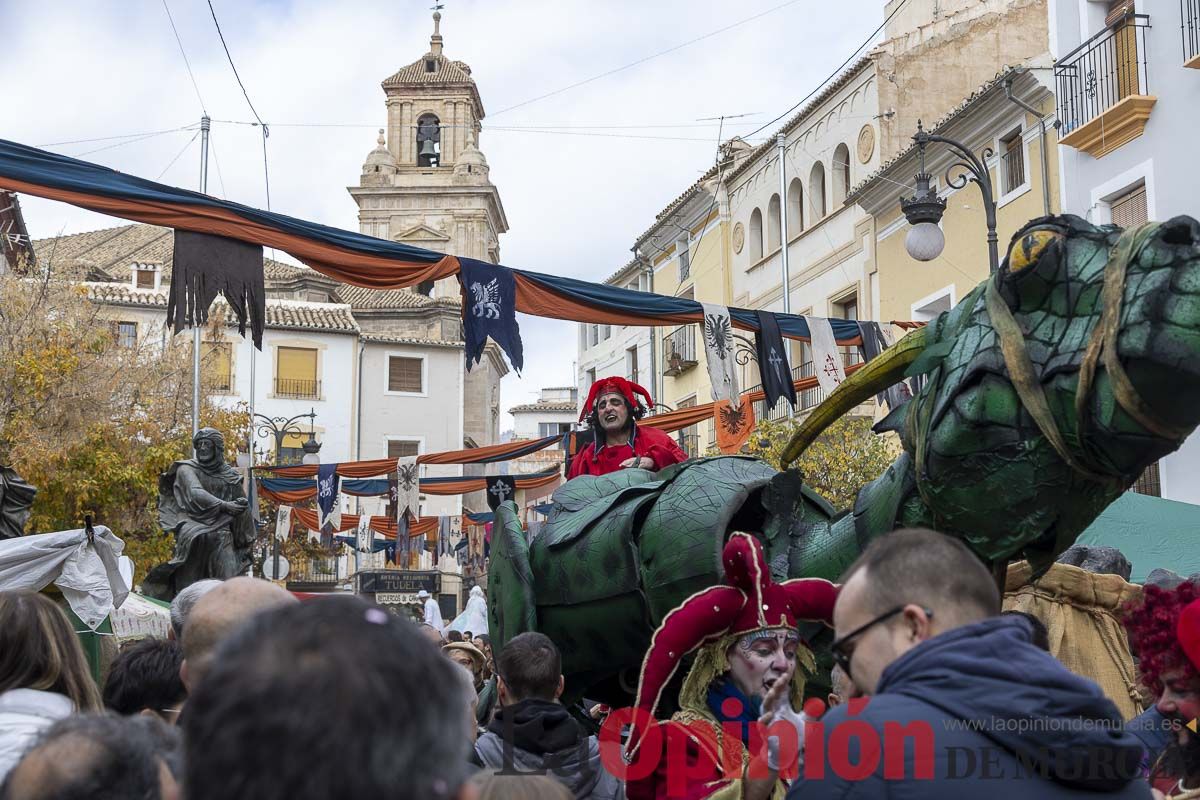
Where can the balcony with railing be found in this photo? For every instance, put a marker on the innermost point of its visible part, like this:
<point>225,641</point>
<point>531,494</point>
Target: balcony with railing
<point>679,350</point>
<point>1190,13</point>
<point>1103,94</point>
<point>807,399</point>
<point>297,388</point>
<point>317,574</point>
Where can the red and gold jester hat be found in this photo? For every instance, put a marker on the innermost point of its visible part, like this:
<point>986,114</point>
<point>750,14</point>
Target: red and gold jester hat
<point>748,601</point>
<point>621,386</point>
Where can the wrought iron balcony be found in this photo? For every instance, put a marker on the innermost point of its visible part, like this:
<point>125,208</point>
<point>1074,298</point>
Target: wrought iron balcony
<point>320,574</point>
<point>298,388</point>
<point>1103,93</point>
<point>1190,14</point>
<point>679,350</point>
<point>807,398</point>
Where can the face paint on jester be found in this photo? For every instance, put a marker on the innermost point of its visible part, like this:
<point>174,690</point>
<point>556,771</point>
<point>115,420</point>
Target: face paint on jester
<point>761,658</point>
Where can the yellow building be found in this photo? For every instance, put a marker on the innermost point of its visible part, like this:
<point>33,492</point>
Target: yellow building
<point>1025,186</point>
<point>688,249</point>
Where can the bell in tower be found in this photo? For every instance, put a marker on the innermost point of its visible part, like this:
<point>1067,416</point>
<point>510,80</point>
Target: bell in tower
<point>429,132</point>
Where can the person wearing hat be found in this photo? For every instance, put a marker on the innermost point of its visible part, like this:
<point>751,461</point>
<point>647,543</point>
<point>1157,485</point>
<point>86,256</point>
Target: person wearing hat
<point>612,409</point>
<point>433,614</point>
<point>469,657</point>
<point>746,670</point>
<point>1164,631</point>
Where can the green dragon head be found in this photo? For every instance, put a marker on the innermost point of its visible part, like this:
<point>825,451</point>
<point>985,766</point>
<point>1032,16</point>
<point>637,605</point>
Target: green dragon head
<point>1051,387</point>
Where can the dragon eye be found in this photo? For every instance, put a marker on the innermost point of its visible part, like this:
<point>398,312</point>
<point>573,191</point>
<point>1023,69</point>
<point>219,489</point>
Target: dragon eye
<point>1029,248</point>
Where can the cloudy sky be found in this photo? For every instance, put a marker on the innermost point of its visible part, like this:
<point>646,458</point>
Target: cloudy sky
<point>624,145</point>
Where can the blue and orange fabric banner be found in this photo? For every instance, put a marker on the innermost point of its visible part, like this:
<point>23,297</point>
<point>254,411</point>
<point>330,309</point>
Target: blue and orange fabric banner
<point>351,258</point>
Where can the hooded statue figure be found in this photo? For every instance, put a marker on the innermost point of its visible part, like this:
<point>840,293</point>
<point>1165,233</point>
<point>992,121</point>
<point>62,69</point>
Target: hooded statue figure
<point>201,501</point>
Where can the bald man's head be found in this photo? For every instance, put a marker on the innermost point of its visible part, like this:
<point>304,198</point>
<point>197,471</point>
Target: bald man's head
<point>218,613</point>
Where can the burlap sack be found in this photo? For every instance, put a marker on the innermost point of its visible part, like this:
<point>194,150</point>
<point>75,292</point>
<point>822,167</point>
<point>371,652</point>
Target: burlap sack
<point>1081,612</point>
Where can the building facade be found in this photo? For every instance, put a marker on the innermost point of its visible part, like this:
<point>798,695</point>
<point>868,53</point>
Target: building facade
<point>829,145</point>
<point>914,290</point>
<point>621,350</point>
<point>688,249</point>
<point>1127,84</point>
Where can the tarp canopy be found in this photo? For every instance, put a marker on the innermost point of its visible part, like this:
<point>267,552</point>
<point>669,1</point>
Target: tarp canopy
<point>1151,532</point>
<point>83,567</point>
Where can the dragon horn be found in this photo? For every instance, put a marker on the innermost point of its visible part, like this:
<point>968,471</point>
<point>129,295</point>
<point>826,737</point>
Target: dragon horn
<point>873,377</point>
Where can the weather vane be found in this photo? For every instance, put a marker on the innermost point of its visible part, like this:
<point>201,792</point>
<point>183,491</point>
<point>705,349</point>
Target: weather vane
<point>437,7</point>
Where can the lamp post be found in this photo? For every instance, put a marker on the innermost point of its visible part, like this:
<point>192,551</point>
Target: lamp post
<point>280,428</point>
<point>924,209</point>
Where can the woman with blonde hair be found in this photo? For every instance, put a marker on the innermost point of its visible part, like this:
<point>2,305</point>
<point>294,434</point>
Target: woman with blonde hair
<point>43,673</point>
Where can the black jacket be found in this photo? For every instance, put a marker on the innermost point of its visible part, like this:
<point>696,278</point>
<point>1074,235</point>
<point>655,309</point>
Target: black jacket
<point>542,736</point>
<point>1006,719</point>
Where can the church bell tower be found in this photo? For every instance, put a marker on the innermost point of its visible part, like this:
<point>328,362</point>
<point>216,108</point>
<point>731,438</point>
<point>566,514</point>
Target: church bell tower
<point>426,183</point>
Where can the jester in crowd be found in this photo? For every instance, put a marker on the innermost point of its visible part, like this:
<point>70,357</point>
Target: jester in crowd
<point>747,676</point>
<point>612,409</point>
<point>1164,632</point>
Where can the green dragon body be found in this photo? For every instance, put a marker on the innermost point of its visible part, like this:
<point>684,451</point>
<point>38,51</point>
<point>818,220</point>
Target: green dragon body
<point>1044,394</point>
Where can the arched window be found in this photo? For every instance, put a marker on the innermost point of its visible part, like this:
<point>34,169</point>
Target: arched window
<point>841,174</point>
<point>795,207</point>
<point>755,236</point>
<point>429,137</point>
<point>773,223</point>
<point>816,191</point>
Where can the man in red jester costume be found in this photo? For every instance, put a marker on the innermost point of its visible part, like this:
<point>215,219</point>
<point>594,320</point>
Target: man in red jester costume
<point>745,683</point>
<point>612,409</point>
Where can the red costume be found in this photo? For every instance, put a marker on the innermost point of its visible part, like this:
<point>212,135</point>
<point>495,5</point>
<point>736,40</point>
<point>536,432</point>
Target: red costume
<point>600,459</point>
<point>708,623</point>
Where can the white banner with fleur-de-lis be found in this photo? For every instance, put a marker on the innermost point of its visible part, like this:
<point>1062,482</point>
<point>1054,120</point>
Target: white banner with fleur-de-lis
<point>827,358</point>
<point>717,332</point>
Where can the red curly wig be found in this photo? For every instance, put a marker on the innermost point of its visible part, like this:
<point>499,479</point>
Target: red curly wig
<point>1153,627</point>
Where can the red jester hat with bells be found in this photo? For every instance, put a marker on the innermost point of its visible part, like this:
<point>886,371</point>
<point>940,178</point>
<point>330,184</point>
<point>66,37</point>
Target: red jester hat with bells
<point>748,601</point>
<point>621,386</point>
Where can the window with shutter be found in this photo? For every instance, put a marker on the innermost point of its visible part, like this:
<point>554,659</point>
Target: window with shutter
<point>216,359</point>
<point>143,277</point>
<point>126,333</point>
<point>404,374</point>
<point>292,451</point>
<point>1130,208</point>
<point>402,448</point>
<point>296,373</point>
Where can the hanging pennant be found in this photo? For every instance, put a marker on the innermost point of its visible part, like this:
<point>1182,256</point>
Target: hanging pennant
<point>283,523</point>
<point>443,537</point>
<point>490,310</point>
<point>327,496</point>
<point>364,539</point>
<point>500,488</point>
<point>773,363</point>
<point>875,342</point>
<point>203,266</point>
<point>408,486</point>
<point>719,348</point>
<point>827,359</point>
<point>733,425</point>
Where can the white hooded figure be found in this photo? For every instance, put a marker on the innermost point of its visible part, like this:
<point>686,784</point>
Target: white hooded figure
<point>433,614</point>
<point>474,617</point>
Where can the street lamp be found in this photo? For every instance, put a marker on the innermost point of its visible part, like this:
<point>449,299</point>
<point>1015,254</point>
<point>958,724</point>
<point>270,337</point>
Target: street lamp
<point>280,428</point>
<point>924,209</point>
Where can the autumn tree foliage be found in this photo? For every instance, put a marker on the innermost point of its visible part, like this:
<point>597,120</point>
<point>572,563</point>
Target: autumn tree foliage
<point>841,460</point>
<point>89,420</point>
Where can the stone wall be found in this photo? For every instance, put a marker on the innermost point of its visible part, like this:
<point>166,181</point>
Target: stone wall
<point>927,71</point>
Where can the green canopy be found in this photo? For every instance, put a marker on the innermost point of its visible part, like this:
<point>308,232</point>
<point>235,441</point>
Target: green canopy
<point>1151,532</point>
